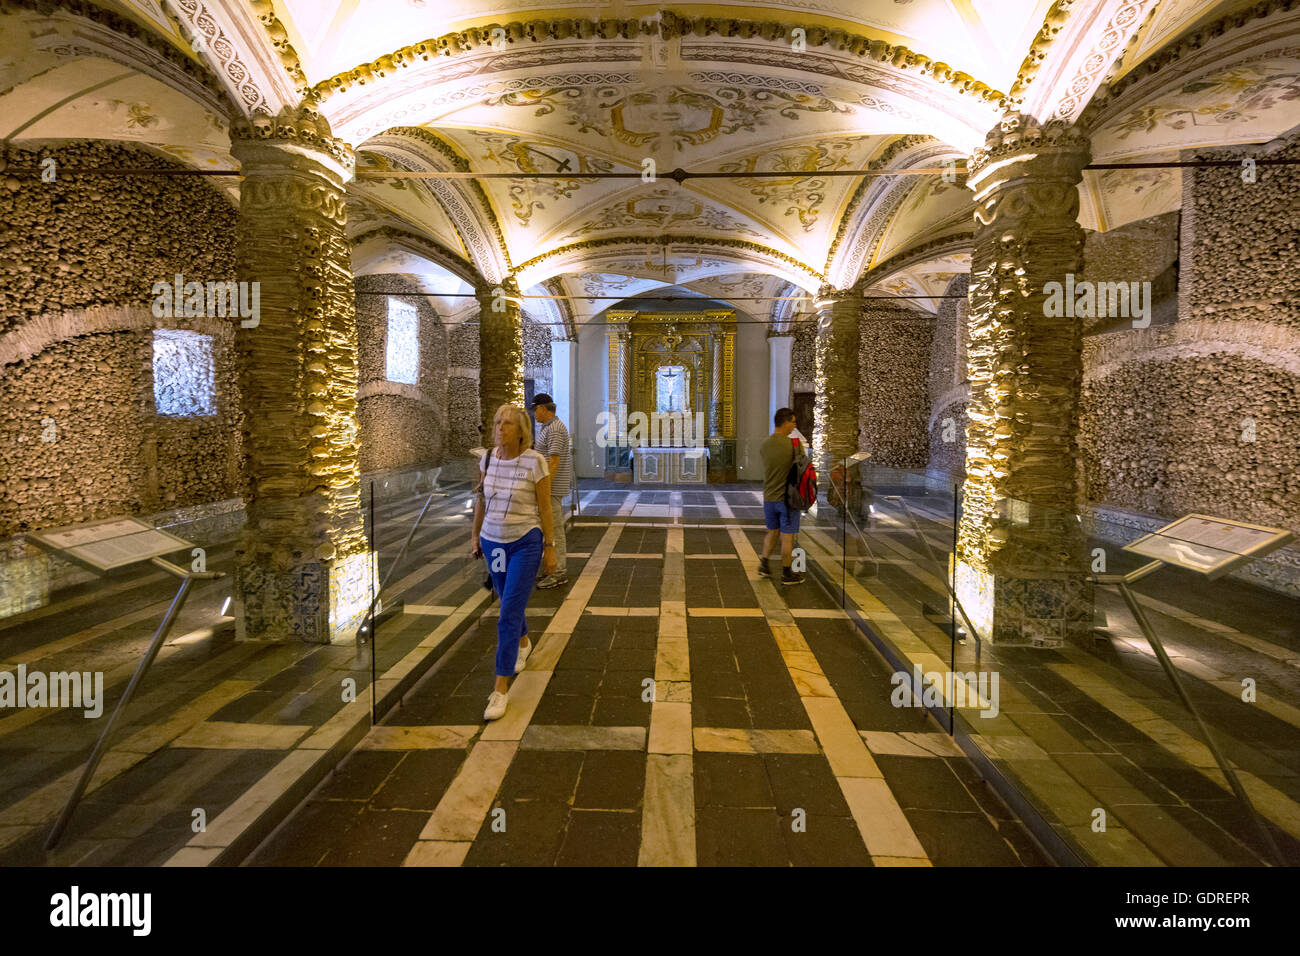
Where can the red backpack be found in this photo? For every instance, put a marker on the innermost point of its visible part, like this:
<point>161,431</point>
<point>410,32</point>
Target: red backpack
<point>801,485</point>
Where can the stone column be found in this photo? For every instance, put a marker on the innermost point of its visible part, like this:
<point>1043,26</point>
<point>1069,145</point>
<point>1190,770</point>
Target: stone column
<point>780,347</point>
<point>501,351</point>
<point>1021,561</point>
<point>302,565</point>
<point>838,322</point>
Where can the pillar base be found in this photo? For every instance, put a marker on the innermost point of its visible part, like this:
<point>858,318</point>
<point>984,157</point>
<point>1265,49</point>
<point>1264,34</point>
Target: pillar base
<point>318,602</point>
<point>1033,611</point>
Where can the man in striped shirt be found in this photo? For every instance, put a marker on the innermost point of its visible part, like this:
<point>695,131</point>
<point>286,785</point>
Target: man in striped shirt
<point>554,444</point>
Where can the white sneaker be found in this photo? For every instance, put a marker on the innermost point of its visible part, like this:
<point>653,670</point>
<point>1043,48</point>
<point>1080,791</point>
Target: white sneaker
<point>496,706</point>
<point>523,656</point>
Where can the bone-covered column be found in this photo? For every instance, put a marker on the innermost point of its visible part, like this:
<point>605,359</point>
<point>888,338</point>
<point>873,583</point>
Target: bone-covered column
<point>838,329</point>
<point>302,563</point>
<point>501,351</point>
<point>1021,568</point>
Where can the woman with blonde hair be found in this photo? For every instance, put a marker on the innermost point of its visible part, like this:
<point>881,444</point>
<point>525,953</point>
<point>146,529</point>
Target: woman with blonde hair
<point>515,535</point>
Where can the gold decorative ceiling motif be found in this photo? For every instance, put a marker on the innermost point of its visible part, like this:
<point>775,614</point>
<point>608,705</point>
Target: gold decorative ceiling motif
<point>778,89</point>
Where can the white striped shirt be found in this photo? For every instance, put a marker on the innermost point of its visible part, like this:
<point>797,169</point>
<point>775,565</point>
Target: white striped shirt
<point>555,442</point>
<point>510,495</point>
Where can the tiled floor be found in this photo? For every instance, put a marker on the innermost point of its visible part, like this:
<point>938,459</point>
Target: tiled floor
<point>212,717</point>
<point>678,710</point>
<point>1100,728</point>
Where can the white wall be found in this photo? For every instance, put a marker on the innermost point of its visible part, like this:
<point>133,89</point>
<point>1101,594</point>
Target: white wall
<point>753,423</point>
<point>752,420</point>
<point>593,359</point>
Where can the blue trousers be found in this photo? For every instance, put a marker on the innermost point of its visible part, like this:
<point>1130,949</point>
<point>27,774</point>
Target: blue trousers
<point>513,586</point>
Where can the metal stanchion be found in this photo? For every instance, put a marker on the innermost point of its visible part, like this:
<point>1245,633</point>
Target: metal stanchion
<point>101,745</point>
<point>1122,581</point>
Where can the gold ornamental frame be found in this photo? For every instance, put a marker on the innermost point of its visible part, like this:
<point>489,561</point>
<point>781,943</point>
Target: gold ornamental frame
<point>701,342</point>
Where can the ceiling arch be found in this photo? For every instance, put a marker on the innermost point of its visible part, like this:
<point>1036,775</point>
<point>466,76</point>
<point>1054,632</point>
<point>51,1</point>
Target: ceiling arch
<point>872,207</point>
<point>38,44</point>
<point>470,213</point>
<point>683,259</point>
<point>775,94</point>
<point>1234,80</point>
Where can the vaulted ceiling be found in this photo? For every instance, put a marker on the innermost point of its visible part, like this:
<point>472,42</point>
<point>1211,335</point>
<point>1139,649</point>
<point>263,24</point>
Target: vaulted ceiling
<point>799,88</point>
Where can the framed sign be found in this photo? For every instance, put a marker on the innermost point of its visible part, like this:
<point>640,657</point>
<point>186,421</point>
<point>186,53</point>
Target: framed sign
<point>108,544</point>
<point>1208,545</point>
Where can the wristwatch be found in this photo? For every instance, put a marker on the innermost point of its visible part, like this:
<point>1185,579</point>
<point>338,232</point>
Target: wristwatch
<point>548,544</point>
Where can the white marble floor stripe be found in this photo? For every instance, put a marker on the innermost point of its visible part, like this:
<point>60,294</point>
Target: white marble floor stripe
<point>1230,685</point>
<point>1257,644</point>
<point>204,847</point>
<point>434,737</point>
<point>724,509</point>
<point>668,806</point>
<point>232,735</point>
<point>881,822</point>
<point>42,806</point>
<point>744,740</point>
<point>629,503</point>
<point>460,813</point>
<point>583,738</point>
<point>660,524</point>
<point>14,720</point>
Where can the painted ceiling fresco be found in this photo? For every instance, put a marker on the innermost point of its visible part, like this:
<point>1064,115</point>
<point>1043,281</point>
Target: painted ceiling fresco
<point>1242,103</point>
<point>780,121</point>
<point>923,282</point>
<point>1110,198</point>
<point>740,128</point>
<point>931,207</point>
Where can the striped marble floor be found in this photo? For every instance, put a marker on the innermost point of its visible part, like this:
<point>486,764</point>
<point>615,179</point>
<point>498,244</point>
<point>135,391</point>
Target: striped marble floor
<point>678,710</point>
<point>213,719</point>
<point>1083,730</point>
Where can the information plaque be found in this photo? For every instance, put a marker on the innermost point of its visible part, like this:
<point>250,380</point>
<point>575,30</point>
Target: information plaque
<point>112,543</point>
<point>1210,546</point>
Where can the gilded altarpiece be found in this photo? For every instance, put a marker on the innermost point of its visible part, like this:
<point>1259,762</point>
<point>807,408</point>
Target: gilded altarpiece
<point>671,384</point>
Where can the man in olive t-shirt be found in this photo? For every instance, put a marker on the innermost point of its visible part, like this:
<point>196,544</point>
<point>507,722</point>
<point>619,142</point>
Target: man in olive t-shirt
<point>777,452</point>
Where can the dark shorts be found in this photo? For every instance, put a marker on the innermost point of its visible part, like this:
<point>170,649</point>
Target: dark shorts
<point>780,517</point>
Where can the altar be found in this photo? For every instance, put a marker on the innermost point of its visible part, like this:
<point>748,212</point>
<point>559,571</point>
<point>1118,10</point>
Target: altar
<point>670,466</point>
<point>670,402</point>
